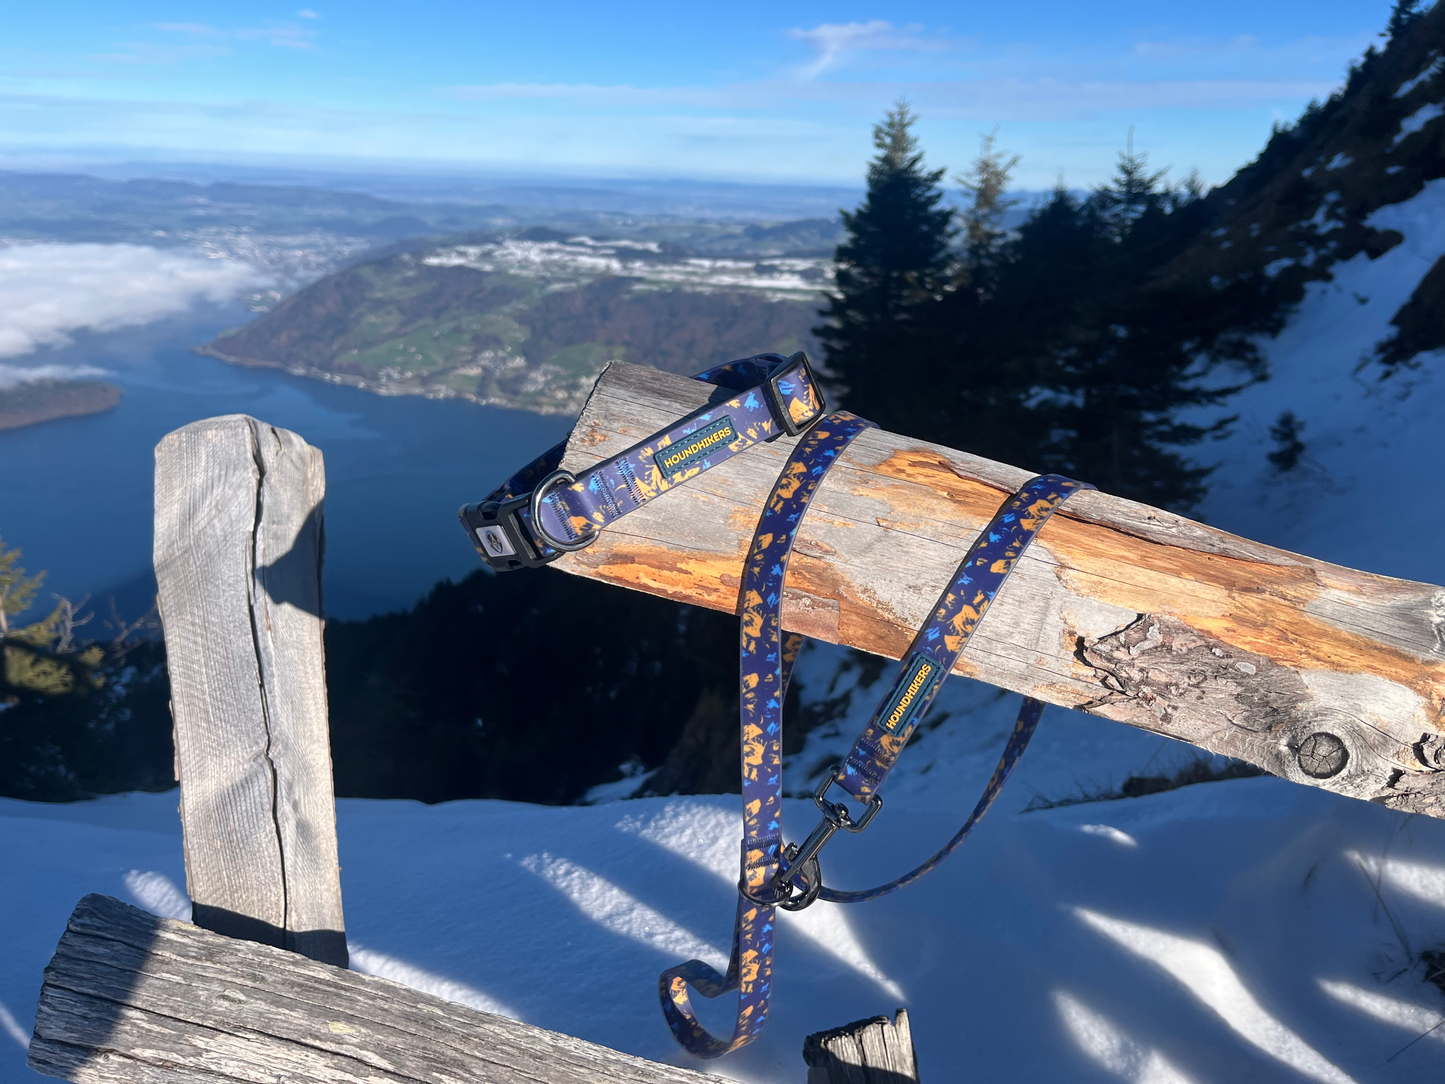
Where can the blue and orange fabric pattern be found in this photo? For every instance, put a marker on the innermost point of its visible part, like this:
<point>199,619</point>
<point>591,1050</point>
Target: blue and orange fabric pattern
<point>767,658</point>
<point>936,647</point>
<point>766,663</point>
<point>684,450</point>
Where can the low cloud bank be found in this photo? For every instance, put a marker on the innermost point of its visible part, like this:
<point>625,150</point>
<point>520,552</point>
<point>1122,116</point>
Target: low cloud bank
<point>14,375</point>
<point>48,291</point>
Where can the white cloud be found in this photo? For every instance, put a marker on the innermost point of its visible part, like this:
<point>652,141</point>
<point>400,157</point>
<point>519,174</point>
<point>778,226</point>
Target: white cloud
<point>591,94</point>
<point>12,376</point>
<point>48,291</point>
<point>200,30</point>
<point>280,35</point>
<point>837,42</point>
<point>307,13</point>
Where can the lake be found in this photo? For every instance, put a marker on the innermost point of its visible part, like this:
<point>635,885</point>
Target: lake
<point>76,494</point>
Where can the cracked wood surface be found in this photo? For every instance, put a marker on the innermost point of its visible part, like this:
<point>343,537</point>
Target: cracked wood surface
<point>132,998</point>
<point>238,541</point>
<point>1317,673</point>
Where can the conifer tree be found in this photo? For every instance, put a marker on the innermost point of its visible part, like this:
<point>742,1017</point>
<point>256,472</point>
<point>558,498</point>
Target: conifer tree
<point>1124,349</point>
<point>975,384</point>
<point>985,185</point>
<point>17,590</point>
<point>893,263</point>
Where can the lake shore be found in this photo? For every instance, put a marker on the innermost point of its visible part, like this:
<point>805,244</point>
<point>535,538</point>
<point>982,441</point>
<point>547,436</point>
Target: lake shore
<point>46,400</point>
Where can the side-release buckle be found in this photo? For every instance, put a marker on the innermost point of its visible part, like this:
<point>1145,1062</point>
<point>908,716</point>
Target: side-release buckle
<point>779,390</point>
<point>503,537</point>
<point>497,531</point>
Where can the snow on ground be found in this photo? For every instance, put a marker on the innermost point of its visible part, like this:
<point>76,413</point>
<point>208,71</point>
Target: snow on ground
<point>1248,930</point>
<point>1355,498</point>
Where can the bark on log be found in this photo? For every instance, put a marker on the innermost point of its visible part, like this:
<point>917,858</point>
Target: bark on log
<point>137,999</point>
<point>874,1051</point>
<point>238,546</point>
<point>1318,673</point>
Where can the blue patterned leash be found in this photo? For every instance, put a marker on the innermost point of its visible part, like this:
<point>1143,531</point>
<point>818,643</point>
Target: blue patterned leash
<point>541,512</point>
<point>767,658</point>
<point>921,673</point>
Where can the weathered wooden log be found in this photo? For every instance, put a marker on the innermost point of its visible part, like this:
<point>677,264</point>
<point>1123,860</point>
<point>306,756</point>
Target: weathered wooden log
<point>1317,673</point>
<point>873,1051</point>
<point>238,546</point>
<point>133,998</point>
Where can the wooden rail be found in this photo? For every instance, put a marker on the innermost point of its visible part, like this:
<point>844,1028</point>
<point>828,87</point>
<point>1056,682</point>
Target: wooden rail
<point>136,999</point>
<point>1321,674</point>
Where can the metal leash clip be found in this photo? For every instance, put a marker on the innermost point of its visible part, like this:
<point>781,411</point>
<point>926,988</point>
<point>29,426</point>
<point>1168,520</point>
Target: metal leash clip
<point>800,861</point>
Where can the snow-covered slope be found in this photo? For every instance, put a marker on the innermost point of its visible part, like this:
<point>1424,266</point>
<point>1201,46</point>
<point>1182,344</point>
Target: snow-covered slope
<point>1356,496</point>
<point>1229,932</point>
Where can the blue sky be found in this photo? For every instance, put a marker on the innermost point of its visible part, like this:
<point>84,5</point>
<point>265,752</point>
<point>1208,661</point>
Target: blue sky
<point>738,91</point>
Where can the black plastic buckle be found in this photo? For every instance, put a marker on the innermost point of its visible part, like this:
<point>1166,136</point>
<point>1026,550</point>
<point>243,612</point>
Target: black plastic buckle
<point>797,366</point>
<point>497,531</point>
<point>502,538</point>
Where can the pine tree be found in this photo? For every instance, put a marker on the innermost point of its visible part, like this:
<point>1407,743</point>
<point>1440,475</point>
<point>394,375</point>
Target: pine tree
<point>1125,348</point>
<point>976,384</point>
<point>894,262</point>
<point>17,590</point>
<point>985,185</point>
<point>1402,14</point>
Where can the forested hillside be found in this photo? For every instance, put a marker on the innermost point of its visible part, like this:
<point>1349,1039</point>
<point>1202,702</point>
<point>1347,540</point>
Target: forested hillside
<point>529,319</point>
<point>1094,338</point>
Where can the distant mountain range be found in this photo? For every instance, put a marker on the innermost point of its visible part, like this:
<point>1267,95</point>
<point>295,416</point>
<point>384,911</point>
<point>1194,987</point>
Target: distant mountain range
<point>299,233</point>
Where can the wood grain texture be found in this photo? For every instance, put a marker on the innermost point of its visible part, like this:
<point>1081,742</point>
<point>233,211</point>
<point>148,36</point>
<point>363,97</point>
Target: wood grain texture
<point>134,998</point>
<point>238,549</point>
<point>1118,609</point>
<point>875,1051</point>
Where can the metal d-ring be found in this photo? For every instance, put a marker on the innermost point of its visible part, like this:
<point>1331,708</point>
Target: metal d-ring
<point>544,487</point>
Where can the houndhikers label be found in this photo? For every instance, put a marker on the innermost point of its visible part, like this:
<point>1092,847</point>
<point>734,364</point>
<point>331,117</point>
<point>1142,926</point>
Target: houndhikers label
<point>684,453</point>
<point>909,695</point>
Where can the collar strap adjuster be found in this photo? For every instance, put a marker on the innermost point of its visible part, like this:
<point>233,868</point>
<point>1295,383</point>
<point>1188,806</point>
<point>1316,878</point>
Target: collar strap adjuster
<point>794,382</point>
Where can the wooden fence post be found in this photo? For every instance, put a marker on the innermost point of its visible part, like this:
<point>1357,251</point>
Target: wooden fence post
<point>873,1051</point>
<point>238,548</point>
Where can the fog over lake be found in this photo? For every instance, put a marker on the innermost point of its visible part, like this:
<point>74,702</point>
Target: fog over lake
<point>76,494</point>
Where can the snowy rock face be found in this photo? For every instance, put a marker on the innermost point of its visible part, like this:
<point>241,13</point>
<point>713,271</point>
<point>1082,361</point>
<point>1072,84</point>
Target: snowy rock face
<point>1345,213</point>
<point>1353,497</point>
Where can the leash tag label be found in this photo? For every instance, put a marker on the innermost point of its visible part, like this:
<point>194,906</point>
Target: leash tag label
<point>686,451</point>
<point>910,694</point>
<point>495,541</point>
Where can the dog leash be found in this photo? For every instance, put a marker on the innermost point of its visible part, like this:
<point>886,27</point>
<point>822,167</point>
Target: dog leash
<point>774,876</point>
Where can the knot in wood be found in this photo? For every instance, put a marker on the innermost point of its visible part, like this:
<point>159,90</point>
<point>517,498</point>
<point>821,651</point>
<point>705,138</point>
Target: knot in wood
<point>1322,755</point>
